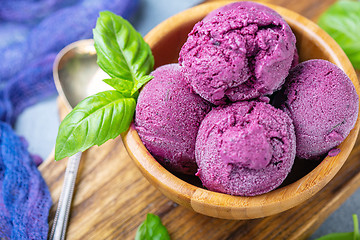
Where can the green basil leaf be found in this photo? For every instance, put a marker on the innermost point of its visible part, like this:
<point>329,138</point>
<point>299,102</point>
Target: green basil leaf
<point>338,236</point>
<point>344,236</point>
<point>356,227</point>
<point>122,85</point>
<point>152,229</point>
<point>139,83</point>
<point>93,121</point>
<point>121,50</point>
<point>342,22</point>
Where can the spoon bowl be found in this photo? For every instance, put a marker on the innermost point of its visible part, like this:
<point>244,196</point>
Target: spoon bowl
<point>76,73</point>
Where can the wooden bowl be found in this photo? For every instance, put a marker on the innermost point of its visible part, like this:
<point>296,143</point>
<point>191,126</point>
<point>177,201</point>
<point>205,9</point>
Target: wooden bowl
<point>165,41</point>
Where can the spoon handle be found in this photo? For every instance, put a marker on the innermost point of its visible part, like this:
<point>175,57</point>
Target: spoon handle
<point>58,230</point>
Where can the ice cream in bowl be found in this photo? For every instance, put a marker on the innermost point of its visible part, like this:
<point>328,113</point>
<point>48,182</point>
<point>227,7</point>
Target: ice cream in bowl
<point>231,126</point>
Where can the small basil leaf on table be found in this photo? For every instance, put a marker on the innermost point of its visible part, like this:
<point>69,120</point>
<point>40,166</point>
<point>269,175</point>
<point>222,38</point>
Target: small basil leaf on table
<point>344,236</point>
<point>152,229</point>
<point>342,22</point>
<point>356,227</point>
<point>93,121</point>
<point>121,51</point>
<point>338,236</point>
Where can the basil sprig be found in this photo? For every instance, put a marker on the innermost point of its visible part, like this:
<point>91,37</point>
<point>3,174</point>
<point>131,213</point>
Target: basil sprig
<point>122,52</point>
<point>124,55</point>
<point>355,235</point>
<point>152,229</point>
<point>342,22</point>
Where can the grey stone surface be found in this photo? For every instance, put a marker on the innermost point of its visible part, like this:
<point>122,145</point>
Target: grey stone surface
<point>39,125</point>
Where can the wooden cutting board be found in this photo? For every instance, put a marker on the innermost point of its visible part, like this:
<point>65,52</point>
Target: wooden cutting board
<point>112,198</point>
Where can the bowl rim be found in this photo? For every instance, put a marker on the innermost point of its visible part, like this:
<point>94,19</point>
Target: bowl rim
<point>238,207</point>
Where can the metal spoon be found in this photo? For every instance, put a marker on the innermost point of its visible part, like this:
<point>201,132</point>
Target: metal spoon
<point>76,76</point>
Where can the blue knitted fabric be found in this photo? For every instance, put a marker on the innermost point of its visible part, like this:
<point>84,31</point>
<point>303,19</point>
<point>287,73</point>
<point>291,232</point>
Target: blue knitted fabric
<point>31,33</point>
<point>24,197</point>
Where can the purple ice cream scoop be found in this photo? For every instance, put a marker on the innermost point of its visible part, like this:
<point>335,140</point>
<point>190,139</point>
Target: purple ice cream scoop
<point>240,53</point>
<point>233,5</point>
<point>323,103</point>
<point>295,60</point>
<point>230,6</point>
<point>245,148</point>
<point>167,119</point>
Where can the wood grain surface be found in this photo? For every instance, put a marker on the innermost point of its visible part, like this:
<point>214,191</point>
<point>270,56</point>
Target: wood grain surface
<point>112,197</point>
